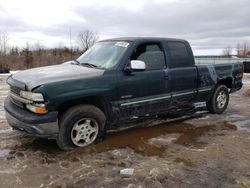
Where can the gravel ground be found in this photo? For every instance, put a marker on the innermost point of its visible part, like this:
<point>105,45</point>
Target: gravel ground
<point>202,150</point>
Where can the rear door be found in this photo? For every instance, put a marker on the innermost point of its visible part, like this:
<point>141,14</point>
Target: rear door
<point>182,71</point>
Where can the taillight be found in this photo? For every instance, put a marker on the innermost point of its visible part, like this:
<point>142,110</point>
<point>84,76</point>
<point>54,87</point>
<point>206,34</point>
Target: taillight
<point>242,71</point>
<point>240,74</point>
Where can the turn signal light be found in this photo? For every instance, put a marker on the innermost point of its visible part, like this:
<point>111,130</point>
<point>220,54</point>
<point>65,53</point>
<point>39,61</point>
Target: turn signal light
<point>37,109</point>
<point>40,110</point>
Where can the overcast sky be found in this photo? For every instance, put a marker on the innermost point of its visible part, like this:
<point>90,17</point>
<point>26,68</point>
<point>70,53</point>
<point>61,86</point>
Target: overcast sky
<point>209,25</point>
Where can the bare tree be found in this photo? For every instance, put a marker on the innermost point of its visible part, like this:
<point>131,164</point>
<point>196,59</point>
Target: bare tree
<point>238,48</point>
<point>4,39</point>
<point>38,49</point>
<point>245,48</point>
<point>227,51</point>
<point>87,38</point>
<point>28,56</point>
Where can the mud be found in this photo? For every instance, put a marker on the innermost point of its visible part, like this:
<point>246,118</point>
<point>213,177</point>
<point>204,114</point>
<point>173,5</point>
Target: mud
<point>202,150</point>
<point>138,138</point>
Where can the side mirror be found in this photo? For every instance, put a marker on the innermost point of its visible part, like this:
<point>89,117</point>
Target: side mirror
<point>137,65</point>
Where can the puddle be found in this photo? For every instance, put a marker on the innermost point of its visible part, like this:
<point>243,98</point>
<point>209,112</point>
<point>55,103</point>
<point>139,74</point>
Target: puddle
<point>164,139</point>
<point>186,162</point>
<point>4,152</point>
<point>236,117</point>
<point>139,138</point>
<point>3,131</point>
<point>149,141</point>
<point>243,125</point>
<point>39,144</point>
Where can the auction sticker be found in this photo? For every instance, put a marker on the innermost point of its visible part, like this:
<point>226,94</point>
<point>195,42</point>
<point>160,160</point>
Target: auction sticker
<point>122,44</point>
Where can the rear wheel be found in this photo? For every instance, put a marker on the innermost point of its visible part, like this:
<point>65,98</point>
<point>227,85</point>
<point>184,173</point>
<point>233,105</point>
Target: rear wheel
<point>81,126</point>
<point>219,101</point>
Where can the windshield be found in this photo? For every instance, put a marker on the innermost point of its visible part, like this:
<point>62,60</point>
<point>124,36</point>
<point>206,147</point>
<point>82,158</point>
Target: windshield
<point>104,54</point>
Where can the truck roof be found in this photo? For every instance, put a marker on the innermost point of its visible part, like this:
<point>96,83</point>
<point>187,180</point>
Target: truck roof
<point>146,39</point>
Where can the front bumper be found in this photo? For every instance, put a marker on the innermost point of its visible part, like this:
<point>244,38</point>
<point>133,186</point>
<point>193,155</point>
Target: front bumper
<point>37,125</point>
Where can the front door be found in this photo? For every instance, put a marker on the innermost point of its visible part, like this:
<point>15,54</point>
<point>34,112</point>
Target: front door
<point>148,91</point>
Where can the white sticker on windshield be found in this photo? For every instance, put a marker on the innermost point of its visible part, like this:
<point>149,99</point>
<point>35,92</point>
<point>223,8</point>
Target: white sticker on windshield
<point>122,44</point>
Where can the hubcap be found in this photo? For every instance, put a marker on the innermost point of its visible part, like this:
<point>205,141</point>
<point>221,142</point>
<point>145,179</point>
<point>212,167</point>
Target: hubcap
<point>221,99</point>
<point>84,132</point>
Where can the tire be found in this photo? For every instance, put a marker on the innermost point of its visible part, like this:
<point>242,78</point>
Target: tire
<point>219,101</point>
<point>80,126</point>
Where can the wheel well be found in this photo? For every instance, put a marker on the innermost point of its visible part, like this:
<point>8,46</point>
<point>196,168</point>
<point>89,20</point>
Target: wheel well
<point>226,81</point>
<point>99,102</point>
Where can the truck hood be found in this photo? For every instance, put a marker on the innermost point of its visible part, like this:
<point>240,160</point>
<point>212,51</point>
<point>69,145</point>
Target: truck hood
<point>43,75</point>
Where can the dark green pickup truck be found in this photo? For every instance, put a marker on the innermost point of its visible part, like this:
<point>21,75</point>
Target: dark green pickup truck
<point>76,102</point>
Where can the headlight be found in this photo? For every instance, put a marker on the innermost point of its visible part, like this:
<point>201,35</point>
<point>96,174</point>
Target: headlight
<point>37,97</point>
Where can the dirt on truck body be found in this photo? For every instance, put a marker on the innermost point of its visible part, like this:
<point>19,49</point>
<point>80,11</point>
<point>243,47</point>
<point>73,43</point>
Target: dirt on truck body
<point>198,150</point>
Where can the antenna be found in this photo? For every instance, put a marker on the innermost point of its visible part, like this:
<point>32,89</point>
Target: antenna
<point>71,55</point>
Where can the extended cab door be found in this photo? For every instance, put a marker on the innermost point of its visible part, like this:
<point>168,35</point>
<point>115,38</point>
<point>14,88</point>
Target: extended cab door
<point>143,92</point>
<point>182,71</point>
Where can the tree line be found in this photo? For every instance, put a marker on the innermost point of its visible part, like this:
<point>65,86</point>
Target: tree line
<point>30,56</point>
<point>242,50</point>
<point>16,58</point>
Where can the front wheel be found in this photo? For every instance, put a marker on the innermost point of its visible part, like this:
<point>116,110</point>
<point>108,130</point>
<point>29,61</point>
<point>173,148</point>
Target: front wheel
<point>81,126</point>
<point>219,101</point>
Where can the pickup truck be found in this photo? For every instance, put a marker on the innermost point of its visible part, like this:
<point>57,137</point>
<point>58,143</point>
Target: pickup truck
<point>116,79</point>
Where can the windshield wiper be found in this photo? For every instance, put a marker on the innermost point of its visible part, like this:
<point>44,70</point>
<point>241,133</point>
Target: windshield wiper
<point>89,65</point>
<point>85,64</point>
<point>78,63</point>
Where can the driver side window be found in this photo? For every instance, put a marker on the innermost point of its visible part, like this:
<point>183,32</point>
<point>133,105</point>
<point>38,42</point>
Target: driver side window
<point>152,54</point>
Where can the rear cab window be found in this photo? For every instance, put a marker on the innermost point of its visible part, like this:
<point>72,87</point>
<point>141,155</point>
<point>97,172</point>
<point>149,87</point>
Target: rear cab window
<point>178,55</point>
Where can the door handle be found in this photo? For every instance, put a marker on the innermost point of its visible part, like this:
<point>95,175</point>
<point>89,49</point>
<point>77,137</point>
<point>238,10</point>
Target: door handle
<point>167,77</point>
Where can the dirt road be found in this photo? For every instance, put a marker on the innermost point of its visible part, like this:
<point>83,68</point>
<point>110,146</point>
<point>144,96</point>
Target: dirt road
<point>204,151</point>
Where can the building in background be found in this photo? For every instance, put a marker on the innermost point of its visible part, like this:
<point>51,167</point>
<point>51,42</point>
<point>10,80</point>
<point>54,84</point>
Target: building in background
<point>244,53</point>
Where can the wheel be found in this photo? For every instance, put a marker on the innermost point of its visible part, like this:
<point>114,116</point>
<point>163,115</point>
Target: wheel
<point>219,101</point>
<point>81,126</point>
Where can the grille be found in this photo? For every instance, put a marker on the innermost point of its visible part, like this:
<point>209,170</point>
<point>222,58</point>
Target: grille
<point>17,102</point>
<point>16,91</point>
